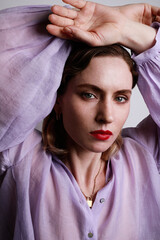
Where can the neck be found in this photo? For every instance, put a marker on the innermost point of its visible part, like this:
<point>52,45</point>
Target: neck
<point>85,165</point>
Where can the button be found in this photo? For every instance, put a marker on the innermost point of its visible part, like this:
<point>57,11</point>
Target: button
<point>102,200</point>
<point>90,235</point>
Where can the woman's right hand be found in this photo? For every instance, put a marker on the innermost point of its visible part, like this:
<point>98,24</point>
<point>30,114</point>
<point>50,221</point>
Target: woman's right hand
<point>96,24</point>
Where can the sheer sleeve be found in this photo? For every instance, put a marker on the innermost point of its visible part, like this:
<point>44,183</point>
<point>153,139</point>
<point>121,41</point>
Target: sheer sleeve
<point>147,133</point>
<point>31,63</point>
<point>149,77</point>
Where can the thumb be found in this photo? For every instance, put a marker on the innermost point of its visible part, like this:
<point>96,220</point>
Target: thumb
<point>76,33</point>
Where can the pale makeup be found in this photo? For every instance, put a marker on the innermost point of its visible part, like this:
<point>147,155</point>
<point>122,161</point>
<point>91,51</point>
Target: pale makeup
<point>98,98</point>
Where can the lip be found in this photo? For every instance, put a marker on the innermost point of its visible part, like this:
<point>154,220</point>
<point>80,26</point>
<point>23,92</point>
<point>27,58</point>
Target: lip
<point>101,134</point>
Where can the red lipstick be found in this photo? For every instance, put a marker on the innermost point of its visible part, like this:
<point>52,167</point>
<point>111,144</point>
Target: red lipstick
<point>101,134</point>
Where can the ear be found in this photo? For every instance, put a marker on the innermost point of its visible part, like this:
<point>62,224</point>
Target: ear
<point>57,108</point>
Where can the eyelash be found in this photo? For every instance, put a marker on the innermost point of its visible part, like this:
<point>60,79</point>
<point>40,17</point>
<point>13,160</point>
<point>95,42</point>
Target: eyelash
<point>87,95</point>
<point>125,99</point>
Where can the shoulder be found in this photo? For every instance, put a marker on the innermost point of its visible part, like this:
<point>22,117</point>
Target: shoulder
<point>16,154</point>
<point>140,149</point>
<point>21,150</point>
<point>145,133</point>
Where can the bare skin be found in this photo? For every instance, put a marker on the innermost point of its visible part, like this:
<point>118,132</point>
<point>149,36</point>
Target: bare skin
<point>97,24</point>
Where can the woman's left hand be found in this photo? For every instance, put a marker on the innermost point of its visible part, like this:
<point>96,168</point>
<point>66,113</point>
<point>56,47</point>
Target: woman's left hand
<point>98,24</point>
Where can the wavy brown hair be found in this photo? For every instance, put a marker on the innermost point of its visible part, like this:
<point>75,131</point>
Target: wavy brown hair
<point>54,134</point>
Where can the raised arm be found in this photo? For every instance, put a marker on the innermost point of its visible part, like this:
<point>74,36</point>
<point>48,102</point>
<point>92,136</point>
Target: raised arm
<point>147,133</point>
<point>31,63</point>
<point>97,24</point>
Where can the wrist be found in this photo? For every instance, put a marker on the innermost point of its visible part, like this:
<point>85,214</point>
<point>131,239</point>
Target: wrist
<point>138,37</point>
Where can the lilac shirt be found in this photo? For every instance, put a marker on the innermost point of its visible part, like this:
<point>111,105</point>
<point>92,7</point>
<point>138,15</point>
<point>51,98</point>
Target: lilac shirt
<point>41,200</point>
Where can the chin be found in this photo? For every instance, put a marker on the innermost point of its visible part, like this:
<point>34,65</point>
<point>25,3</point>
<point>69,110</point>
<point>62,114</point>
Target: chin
<point>99,149</point>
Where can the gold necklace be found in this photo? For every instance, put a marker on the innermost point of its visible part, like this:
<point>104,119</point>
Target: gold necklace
<point>89,199</point>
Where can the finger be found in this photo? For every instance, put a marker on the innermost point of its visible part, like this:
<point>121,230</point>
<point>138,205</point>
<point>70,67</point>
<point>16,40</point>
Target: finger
<point>64,12</point>
<point>84,36</point>
<point>155,10</point>
<point>60,21</point>
<point>155,14</point>
<point>76,3</point>
<point>58,32</point>
<point>157,19</point>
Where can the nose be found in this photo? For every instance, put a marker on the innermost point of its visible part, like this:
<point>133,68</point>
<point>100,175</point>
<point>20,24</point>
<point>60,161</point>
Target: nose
<point>105,112</point>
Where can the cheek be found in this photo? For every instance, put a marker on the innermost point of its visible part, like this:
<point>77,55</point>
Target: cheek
<point>122,115</point>
<point>74,116</point>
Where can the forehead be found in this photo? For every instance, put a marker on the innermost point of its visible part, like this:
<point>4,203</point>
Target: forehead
<point>106,72</point>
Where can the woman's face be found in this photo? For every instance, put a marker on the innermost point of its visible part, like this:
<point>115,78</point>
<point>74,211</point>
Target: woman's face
<point>96,104</point>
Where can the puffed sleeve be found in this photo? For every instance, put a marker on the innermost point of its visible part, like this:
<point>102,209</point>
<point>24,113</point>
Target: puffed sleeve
<point>149,77</point>
<point>147,133</point>
<point>31,66</point>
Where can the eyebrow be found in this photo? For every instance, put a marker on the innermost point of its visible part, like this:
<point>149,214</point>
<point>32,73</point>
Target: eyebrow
<point>97,89</point>
<point>124,91</point>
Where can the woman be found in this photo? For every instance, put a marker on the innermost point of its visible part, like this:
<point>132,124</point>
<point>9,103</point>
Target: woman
<point>85,103</point>
<point>83,191</point>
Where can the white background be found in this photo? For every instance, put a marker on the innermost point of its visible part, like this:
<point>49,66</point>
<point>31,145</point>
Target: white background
<point>138,107</point>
